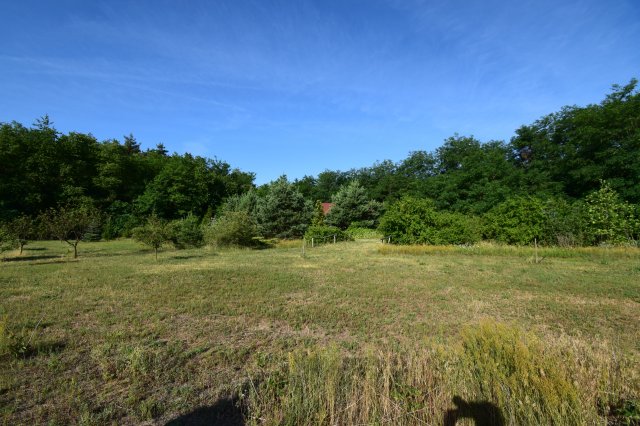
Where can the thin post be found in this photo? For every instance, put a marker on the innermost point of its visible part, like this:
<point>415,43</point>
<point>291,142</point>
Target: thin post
<point>304,243</point>
<point>535,242</point>
<point>312,242</point>
<point>334,238</point>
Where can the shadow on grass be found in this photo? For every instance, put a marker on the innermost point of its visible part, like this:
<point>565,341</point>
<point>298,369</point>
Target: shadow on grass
<point>29,258</point>
<point>225,412</point>
<point>187,256</point>
<point>27,351</point>
<point>483,413</point>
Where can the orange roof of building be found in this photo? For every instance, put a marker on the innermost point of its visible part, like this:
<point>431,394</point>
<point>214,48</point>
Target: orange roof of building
<point>326,207</point>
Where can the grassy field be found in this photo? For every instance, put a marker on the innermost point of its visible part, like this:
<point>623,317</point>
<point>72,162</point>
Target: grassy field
<point>356,332</point>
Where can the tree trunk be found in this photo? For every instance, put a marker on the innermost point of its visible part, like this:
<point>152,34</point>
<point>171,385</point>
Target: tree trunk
<point>75,250</point>
<point>156,249</point>
<point>21,246</point>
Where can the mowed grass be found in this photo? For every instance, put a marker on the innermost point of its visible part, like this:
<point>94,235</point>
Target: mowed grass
<point>118,337</point>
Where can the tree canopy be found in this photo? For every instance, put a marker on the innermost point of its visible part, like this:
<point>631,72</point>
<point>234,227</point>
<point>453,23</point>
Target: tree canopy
<point>557,164</point>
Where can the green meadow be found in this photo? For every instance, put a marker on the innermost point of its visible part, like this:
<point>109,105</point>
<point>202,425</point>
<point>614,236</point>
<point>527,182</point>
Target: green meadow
<point>350,333</point>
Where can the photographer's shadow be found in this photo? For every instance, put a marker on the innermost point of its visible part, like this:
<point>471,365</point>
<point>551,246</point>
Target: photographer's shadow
<point>483,413</point>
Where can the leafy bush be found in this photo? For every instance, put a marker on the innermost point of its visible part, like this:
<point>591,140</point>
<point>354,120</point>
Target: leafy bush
<point>362,233</point>
<point>325,233</point>
<point>186,232</point>
<point>565,223</point>
<point>518,220</point>
<point>416,221</point>
<point>233,228</point>
<point>610,220</point>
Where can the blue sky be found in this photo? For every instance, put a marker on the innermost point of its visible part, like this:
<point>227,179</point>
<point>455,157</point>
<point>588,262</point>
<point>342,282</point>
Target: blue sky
<point>295,87</point>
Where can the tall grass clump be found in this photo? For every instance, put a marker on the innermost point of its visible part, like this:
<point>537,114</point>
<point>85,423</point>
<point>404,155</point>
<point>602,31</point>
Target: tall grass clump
<point>493,373</point>
<point>512,370</point>
<point>327,387</point>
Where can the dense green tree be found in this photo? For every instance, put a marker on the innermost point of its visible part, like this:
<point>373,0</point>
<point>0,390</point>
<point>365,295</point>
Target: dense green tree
<point>572,150</point>
<point>29,168</point>
<point>188,184</point>
<point>414,171</point>
<point>351,204</point>
<point>328,183</point>
<point>471,177</point>
<point>307,186</point>
<point>381,181</point>
<point>283,212</point>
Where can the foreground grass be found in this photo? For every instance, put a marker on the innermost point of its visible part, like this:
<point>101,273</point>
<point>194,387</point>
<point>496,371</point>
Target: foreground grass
<point>353,332</point>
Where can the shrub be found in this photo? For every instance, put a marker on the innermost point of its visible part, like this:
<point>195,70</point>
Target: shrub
<point>233,228</point>
<point>565,223</point>
<point>325,233</point>
<point>416,221</point>
<point>362,233</point>
<point>518,220</point>
<point>610,220</point>
<point>186,232</point>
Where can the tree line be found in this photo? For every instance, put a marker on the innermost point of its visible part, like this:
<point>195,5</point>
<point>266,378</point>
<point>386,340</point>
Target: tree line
<point>571,177</point>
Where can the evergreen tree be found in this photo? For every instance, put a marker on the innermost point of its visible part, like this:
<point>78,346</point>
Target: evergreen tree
<point>351,204</point>
<point>283,212</point>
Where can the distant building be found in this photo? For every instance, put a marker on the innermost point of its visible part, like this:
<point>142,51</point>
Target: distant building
<point>326,207</point>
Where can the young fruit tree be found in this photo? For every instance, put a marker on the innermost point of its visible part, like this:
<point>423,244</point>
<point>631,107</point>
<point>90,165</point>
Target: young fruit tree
<point>71,223</point>
<point>20,230</point>
<point>154,233</point>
